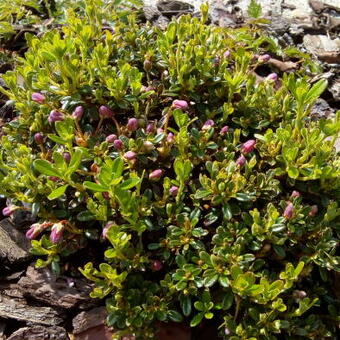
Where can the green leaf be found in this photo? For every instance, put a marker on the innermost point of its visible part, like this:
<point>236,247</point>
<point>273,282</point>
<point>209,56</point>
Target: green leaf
<point>84,216</point>
<point>75,162</point>
<point>94,186</point>
<point>130,183</point>
<point>175,316</point>
<point>254,9</point>
<point>181,118</point>
<point>46,168</point>
<point>298,269</point>
<point>293,172</point>
<point>65,129</point>
<point>57,192</point>
<point>201,193</point>
<point>226,210</point>
<point>316,90</point>
<point>243,197</point>
<point>57,139</point>
<point>210,280</point>
<point>185,302</point>
<point>228,300</point>
<point>196,319</point>
<point>117,167</point>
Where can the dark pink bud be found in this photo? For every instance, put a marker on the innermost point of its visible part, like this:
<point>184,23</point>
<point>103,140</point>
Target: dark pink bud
<point>39,138</point>
<point>7,211</point>
<point>57,231</point>
<point>106,229</point>
<point>313,211</point>
<point>156,174</point>
<point>111,138</point>
<point>241,161</point>
<point>34,231</point>
<point>208,124</point>
<point>217,61</point>
<point>38,97</point>
<point>170,137</point>
<point>67,157</point>
<point>156,265</point>
<point>132,124</point>
<point>299,294</point>
<point>173,190</point>
<point>118,144</point>
<point>130,155</point>
<point>272,77</point>
<point>248,146</point>
<point>105,112</point>
<point>53,178</point>
<point>263,58</point>
<point>224,130</point>
<point>78,112</point>
<point>150,128</point>
<point>295,194</point>
<point>55,116</point>
<point>180,104</point>
<point>106,195</point>
<point>289,211</point>
<point>226,54</point>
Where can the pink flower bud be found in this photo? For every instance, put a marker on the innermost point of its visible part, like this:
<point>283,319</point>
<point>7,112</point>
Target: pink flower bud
<point>299,294</point>
<point>224,130</point>
<point>263,58</point>
<point>295,194</point>
<point>105,112</point>
<point>55,116</point>
<point>156,174</point>
<point>217,61</point>
<point>313,211</point>
<point>227,331</point>
<point>272,77</point>
<point>289,211</point>
<point>241,161</point>
<point>156,265</point>
<point>118,144</point>
<point>208,124</point>
<point>160,130</point>
<point>226,54</point>
<point>78,112</point>
<point>150,128</point>
<point>108,225</point>
<point>53,178</point>
<point>8,211</point>
<point>130,155</point>
<point>111,138</point>
<point>39,138</point>
<point>170,137</point>
<point>34,231</point>
<point>67,157</point>
<point>38,97</point>
<point>132,124</point>
<point>106,195</point>
<point>248,146</point>
<point>173,190</point>
<point>57,231</point>
<point>180,104</point>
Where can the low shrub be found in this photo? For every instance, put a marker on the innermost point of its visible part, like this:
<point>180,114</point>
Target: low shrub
<point>213,190</point>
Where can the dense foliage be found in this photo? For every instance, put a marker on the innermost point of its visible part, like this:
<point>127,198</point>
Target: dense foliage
<point>213,190</point>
